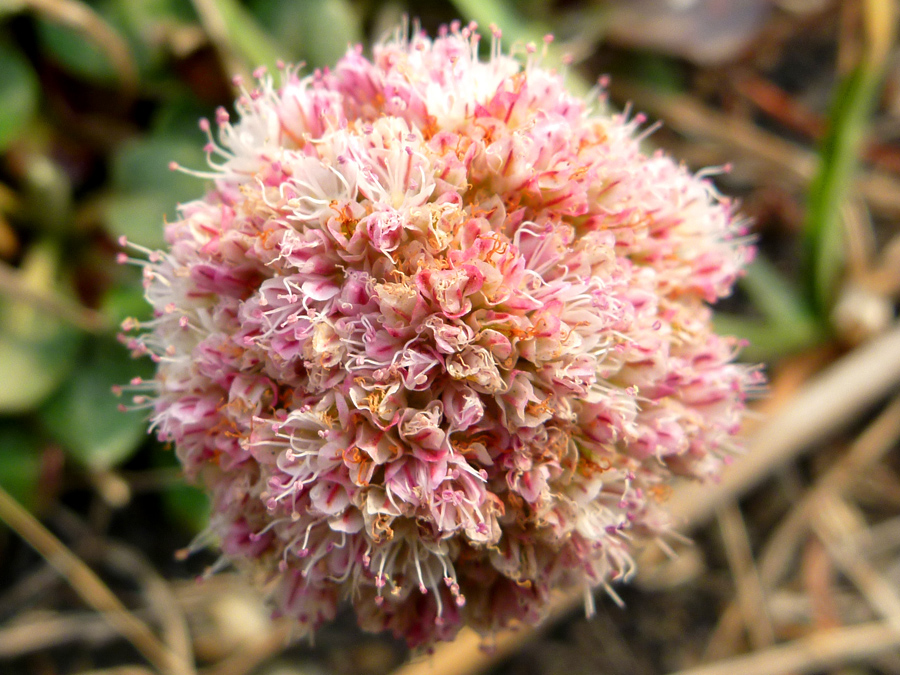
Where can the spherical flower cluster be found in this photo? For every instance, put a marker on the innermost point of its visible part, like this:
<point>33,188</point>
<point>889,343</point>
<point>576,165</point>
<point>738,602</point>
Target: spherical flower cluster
<point>437,338</point>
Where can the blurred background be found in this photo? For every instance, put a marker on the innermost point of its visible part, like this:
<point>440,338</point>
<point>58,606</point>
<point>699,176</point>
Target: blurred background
<point>792,569</point>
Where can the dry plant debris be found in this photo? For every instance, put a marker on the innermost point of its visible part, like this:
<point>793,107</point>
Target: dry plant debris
<point>794,562</point>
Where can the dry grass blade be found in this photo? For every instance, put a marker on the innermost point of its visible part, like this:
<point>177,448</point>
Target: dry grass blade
<point>90,587</point>
<point>27,634</point>
<point>465,656</point>
<point>160,597</point>
<point>727,633</point>
<point>839,540</point>
<point>881,539</point>
<point>877,439</point>
<point>880,27</point>
<point>470,653</point>
<point>820,651</point>
<point>871,445</point>
<point>32,585</point>
<point>750,596</point>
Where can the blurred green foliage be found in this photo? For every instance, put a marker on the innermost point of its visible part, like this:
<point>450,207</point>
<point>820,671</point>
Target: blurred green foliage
<point>19,93</point>
<point>37,352</point>
<point>19,461</point>
<point>851,111</point>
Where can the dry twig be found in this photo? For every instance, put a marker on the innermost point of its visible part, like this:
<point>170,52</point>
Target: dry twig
<point>821,651</point>
<point>160,596</point>
<point>750,594</point>
<point>120,670</point>
<point>90,587</point>
<point>830,523</point>
<point>878,438</point>
<point>28,634</point>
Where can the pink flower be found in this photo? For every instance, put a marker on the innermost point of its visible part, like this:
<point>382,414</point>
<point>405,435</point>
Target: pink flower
<point>437,334</point>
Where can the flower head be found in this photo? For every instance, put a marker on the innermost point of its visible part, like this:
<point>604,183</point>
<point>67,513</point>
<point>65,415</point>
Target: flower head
<point>437,337</point>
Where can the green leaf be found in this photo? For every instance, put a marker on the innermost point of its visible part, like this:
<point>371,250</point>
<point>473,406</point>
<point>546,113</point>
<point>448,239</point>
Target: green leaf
<point>138,217</point>
<point>143,166</point>
<point>188,506</point>
<point>20,462</point>
<point>177,119</point>
<point>185,504</point>
<point>124,301</point>
<point>773,295</point>
<point>257,47</point>
<point>11,6</point>
<point>74,52</point>
<point>766,340</point>
<point>659,72</point>
<point>146,16</point>
<point>143,23</point>
<point>147,191</point>
<point>140,23</point>
<point>504,15</point>
<point>319,34</point>
<point>83,416</point>
<point>19,93</point>
<point>48,194</point>
<point>37,351</point>
<point>37,360</point>
<point>788,323</point>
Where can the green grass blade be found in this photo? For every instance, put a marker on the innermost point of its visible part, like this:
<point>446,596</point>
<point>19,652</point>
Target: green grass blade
<point>856,97</point>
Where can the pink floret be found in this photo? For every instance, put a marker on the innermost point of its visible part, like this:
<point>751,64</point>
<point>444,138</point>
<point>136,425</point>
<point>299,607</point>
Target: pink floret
<point>437,339</point>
